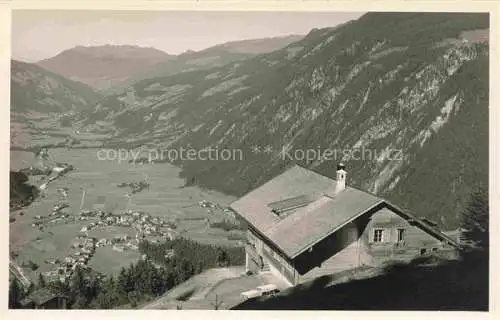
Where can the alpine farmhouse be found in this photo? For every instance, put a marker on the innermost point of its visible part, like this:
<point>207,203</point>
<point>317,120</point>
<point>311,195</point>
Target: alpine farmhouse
<point>302,225</point>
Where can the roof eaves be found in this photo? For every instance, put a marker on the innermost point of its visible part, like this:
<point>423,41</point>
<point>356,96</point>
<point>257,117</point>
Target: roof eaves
<point>359,214</point>
<point>429,229</point>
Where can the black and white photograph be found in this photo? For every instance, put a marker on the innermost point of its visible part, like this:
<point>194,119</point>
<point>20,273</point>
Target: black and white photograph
<point>249,160</point>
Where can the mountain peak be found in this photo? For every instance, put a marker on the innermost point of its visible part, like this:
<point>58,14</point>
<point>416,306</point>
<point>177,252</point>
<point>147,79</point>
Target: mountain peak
<point>103,66</point>
<point>119,50</point>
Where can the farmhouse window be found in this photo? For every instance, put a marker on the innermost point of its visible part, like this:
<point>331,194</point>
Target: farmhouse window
<point>423,251</point>
<point>401,233</point>
<point>378,235</point>
<point>252,240</point>
<point>266,248</point>
<point>259,245</point>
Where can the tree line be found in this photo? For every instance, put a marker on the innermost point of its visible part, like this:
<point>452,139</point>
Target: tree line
<point>227,225</point>
<point>21,192</point>
<point>165,265</point>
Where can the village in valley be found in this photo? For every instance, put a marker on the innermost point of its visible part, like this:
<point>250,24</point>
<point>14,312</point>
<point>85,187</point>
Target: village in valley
<point>84,246</point>
<point>99,227</point>
<point>361,180</point>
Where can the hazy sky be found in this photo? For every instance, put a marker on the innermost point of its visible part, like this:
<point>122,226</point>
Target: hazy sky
<point>40,34</point>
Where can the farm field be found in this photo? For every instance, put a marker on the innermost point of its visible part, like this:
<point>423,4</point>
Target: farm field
<point>98,179</point>
<point>35,129</point>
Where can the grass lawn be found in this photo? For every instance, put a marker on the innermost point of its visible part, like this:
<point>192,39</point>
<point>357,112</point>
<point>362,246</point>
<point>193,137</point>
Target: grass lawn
<point>194,290</point>
<point>223,284</point>
<point>108,261</point>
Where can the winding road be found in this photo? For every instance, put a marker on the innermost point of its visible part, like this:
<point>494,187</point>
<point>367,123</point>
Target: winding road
<point>17,272</point>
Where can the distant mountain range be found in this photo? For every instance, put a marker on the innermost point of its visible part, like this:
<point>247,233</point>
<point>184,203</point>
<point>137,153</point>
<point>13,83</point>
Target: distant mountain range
<point>118,66</point>
<point>102,67</point>
<point>212,57</point>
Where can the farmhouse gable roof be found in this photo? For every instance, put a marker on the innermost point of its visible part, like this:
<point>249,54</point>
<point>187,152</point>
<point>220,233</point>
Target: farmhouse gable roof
<point>299,208</point>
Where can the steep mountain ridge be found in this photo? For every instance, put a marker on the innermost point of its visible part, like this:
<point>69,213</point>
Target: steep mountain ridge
<point>39,99</point>
<point>401,98</point>
<point>36,89</point>
<point>257,46</point>
<point>212,57</point>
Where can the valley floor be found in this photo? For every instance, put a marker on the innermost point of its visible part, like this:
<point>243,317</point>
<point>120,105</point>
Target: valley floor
<point>98,179</point>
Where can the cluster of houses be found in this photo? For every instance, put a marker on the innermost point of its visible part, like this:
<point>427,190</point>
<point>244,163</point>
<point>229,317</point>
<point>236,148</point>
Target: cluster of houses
<point>85,249</point>
<point>207,204</point>
<point>125,242</point>
<point>134,186</point>
<point>169,253</point>
<point>143,223</point>
<point>84,246</point>
<point>211,207</point>
<point>62,168</point>
<point>59,170</point>
<point>58,208</point>
<point>58,214</point>
<point>63,192</point>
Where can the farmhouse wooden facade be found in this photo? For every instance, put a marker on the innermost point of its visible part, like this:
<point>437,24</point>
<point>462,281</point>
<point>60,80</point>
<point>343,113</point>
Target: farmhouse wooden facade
<point>303,225</point>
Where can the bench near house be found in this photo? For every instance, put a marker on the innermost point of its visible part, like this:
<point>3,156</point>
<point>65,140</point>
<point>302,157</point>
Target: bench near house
<point>302,225</point>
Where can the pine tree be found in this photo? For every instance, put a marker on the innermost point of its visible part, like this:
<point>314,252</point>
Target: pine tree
<point>41,281</point>
<point>222,259</point>
<point>122,280</point>
<point>15,294</point>
<point>133,296</point>
<point>30,289</point>
<point>79,289</point>
<point>217,303</point>
<point>93,288</point>
<point>475,220</point>
<point>80,303</point>
<point>78,281</point>
<point>126,280</point>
